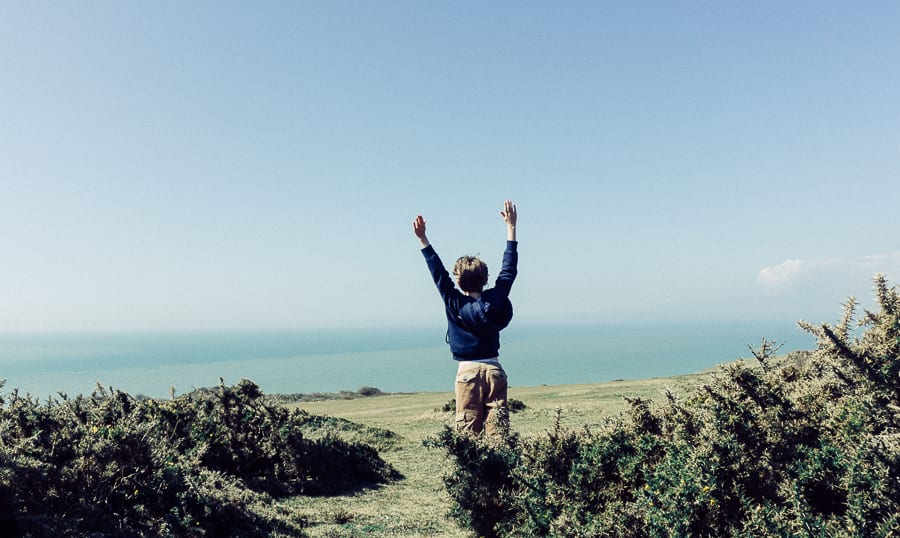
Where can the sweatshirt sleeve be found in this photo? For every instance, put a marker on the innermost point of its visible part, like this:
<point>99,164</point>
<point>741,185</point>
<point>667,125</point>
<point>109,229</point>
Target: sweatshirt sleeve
<point>509,269</point>
<point>441,277</point>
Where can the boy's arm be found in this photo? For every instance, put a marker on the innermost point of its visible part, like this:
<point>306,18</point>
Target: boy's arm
<point>509,269</point>
<point>439,274</point>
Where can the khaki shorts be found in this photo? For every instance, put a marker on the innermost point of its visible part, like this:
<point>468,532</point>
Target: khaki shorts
<point>481,399</point>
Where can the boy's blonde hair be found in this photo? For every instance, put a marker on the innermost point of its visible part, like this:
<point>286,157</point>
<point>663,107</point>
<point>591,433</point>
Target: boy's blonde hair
<point>471,273</point>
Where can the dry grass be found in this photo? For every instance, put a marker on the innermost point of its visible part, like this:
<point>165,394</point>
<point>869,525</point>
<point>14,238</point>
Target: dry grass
<point>417,505</point>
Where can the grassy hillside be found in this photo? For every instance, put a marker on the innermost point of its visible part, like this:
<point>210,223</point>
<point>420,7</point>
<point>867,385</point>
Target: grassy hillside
<point>417,505</point>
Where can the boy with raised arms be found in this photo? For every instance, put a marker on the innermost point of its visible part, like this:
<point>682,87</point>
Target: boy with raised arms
<point>475,317</point>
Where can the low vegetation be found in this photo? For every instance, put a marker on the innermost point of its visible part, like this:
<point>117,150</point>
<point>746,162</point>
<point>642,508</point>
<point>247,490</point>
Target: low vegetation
<point>208,463</point>
<point>805,447</point>
<point>362,392</point>
<point>513,404</point>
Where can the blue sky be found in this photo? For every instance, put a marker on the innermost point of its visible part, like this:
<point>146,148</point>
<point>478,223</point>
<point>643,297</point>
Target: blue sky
<point>172,165</point>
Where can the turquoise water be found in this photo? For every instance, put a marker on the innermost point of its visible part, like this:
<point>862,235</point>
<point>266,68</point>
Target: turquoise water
<point>394,360</point>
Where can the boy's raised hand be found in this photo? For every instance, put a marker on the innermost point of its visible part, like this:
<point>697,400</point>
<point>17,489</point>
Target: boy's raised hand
<point>509,212</point>
<point>419,230</point>
<point>510,217</point>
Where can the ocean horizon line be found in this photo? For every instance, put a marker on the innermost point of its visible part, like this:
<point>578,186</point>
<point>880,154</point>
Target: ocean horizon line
<point>405,359</point>
<point>432,324</point>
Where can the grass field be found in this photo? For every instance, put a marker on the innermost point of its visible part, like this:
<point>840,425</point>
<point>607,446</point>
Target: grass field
<point>417,505</point>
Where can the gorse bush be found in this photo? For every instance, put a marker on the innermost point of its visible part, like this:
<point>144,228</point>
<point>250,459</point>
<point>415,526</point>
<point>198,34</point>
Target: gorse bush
<point>201,464</point>
<point>807,446</point>
<point>317,426</point>
<point>362,392</point>
<point>513,405</point>
<point>482,470</point>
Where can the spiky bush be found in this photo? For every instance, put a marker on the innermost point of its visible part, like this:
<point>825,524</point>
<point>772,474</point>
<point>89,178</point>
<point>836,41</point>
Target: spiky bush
<point>808,446</point>
<point>513,406</point>
<point>200,464</point>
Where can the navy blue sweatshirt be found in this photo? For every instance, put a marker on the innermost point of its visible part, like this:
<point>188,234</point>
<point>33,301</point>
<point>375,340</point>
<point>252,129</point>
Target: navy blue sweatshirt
<point>474,325</point>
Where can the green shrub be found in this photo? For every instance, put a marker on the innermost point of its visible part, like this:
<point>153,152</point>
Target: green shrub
<point>362,392</point>
<point>513,404</point>
<point>369,391</point>
<point>316,426</point>
<point>475,487</point>
<point>204,463</point>
<point>807,446</point>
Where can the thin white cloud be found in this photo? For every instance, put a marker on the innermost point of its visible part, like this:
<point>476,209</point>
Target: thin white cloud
<point>780,278</point>
<point>889,260</point>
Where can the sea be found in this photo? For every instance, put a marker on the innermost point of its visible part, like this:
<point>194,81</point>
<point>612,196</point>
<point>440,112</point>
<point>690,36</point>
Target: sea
<point>398,359</point>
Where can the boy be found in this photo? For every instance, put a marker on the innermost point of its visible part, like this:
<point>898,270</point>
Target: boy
<point>475,318</point>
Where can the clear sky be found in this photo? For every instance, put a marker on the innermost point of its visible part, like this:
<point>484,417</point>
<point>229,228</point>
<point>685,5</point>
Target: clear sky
<point>231,165</point>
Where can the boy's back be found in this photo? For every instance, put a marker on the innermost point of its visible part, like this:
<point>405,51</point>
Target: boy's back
<point>474,322</point>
